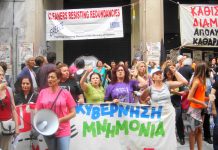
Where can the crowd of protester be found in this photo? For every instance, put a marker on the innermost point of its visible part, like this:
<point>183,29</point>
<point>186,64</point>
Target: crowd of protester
<point>42,81</point>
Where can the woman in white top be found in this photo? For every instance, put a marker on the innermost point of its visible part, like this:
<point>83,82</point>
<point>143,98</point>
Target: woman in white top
<point>159,92</point>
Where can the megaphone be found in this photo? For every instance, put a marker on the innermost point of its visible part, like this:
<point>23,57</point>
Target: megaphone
<point>45,122</point>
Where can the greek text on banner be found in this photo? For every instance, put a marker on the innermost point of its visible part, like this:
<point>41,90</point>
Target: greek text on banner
<point>199,25</point>
<point>124,126</point>
<point>109,126</point>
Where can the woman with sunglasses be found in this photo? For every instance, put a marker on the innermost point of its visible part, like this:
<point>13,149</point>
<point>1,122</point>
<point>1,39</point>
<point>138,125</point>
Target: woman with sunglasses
<point>159,92</point>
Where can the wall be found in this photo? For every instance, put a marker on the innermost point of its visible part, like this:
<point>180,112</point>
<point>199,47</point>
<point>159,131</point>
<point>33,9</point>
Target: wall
<point>24,21</point>
<point>148,25</point>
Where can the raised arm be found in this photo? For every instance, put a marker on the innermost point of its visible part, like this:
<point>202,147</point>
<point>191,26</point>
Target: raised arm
<point>180,79</point>
<point>107,66</point>
<point>83,84</point>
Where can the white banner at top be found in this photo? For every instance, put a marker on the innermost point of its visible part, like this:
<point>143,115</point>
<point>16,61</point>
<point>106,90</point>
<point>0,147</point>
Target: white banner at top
<point>80,24</point>
<point>199,25</point>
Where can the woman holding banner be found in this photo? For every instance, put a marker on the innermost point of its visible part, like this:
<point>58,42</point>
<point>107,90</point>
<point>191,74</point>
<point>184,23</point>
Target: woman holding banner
<point>159,92</point>
<point>7,110</point>
<point>63,105</point>
<point>121,87</point>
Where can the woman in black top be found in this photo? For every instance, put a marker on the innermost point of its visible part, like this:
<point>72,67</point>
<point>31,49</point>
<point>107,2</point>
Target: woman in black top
<point>214,99</point>
<point>69,83</point>
<point>27,94</point>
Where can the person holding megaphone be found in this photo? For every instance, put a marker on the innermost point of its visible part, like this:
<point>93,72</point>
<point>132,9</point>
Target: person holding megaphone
<point>60,102</point>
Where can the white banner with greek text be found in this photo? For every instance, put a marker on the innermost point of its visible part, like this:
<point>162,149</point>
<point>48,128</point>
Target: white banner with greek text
<point>110,127</point>
<point>199,25</point>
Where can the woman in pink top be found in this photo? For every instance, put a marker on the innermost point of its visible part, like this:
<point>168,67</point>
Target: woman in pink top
<point>64,108</point>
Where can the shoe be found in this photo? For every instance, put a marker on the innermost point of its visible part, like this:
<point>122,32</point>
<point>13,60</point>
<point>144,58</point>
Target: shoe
<point>208,140</point>
<point>182,141</point>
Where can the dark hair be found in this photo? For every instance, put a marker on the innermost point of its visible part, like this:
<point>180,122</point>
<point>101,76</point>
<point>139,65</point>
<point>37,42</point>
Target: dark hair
<point>51,57</point>
<point>213,58</point>
<point>56,71</point>
<point>26,77</point>
<point>98,62</point>
<point>4,66</point>
<point>22,65</point>
<point>208,72</point>
<point>167,69</point>
<point>63,65</point>
<point>114,75</point>
<point>95,73</point>
<point>39,60</point>
<point>58,63</point>
<point>79,63</point>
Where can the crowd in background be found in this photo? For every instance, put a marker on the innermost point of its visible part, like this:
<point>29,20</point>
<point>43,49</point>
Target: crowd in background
<point>185,87</point>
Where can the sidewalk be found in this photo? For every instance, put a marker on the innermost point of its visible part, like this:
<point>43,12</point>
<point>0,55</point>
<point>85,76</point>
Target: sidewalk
<point>206,146</point>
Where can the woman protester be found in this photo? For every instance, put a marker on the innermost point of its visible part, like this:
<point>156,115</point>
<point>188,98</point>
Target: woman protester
<point>197,100</point>
<point>175,95</point>
<point>159,92</point>
<point>63,105</point>
<point>102,70</point>
<point>93,91</point>
<point>7,110</point>
<point>69,83</point>
<point>27,94</point>
<point>121,87</point>
<point>141,70</point>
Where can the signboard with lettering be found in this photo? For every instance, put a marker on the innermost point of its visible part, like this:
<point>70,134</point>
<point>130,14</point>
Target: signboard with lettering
<point>78,24</point>
<point>199,25</point>
<point>110,126</point>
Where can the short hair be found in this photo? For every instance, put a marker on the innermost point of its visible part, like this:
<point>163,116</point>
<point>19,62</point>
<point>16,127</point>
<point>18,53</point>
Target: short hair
<point>4,65</point>
<point>187,61</point>
<point>56,71</point>
<point>39,60</point>
<point>28,57</point>
<point>51,57</point>
<point>80,63</point>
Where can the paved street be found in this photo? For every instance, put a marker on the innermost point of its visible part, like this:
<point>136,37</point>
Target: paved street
<point>206,146</point>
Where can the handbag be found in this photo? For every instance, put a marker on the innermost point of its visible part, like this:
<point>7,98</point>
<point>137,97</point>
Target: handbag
<point>8,127</point>
<point>184,101</point>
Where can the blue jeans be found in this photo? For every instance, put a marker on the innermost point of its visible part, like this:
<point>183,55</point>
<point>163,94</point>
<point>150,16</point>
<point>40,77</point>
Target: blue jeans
<point>57,143</point>
<point>215,132</point>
